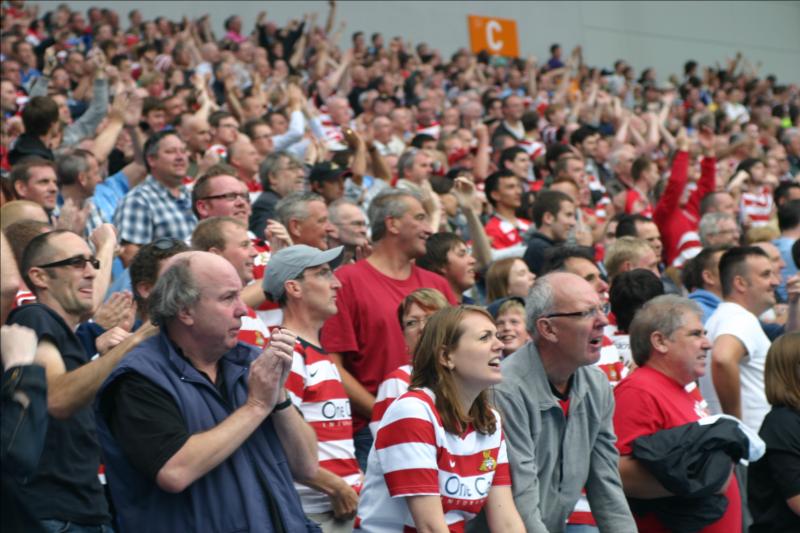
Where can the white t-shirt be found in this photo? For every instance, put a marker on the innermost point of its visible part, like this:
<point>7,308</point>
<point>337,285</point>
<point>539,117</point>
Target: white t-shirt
<point>733,319</point>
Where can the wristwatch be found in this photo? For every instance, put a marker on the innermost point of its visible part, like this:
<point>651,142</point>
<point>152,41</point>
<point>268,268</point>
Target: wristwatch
<point>283,405</point>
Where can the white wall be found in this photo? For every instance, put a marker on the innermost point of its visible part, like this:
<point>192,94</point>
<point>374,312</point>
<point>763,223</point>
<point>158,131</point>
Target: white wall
<point>646,34</point>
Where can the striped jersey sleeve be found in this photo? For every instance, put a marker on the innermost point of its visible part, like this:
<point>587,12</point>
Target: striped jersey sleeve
<point>393,386</point>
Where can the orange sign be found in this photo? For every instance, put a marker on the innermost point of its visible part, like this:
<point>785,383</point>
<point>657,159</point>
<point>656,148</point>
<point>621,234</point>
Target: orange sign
<point>495,35</point>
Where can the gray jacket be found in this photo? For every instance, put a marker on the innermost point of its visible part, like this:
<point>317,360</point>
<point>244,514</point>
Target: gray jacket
<point>86,125</point>
<point>553,457</point>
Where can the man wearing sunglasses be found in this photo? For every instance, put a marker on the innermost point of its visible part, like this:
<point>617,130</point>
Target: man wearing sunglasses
<point>558,411</point>
<point>61,271</point>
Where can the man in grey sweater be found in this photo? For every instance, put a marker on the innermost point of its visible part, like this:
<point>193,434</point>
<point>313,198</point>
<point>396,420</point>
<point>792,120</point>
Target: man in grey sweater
<point>557,411</point>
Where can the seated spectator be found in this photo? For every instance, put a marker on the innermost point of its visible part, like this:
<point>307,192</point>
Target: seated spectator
<point>449,428</point>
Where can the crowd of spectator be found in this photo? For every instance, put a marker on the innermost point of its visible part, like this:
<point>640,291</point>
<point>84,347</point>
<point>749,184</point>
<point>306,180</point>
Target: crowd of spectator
<point>265,281</point>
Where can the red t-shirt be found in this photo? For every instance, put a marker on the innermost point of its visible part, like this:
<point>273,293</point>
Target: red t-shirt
<point>648,401</point>
<point>504,233</point>
<point>365,330</point>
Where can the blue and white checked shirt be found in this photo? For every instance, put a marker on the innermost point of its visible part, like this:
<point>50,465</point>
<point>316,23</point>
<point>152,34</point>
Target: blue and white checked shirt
<point>150,211</point>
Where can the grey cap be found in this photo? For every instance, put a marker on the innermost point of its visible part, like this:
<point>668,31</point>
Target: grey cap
<point>290,262</point>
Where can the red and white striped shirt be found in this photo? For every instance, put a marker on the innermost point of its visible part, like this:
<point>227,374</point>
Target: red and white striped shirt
<point>315,387</point>
<point>434,129</point>
<point>757,206</point>
<point>413,455</point>
<point>253,330</point>
<point>504,233</point>
<point>394,385</point>
<point>269,312</point>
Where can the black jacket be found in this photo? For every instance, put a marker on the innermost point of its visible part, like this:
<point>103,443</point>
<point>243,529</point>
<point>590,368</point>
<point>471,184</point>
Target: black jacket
<point>29,146</point>
<point>692,461</point>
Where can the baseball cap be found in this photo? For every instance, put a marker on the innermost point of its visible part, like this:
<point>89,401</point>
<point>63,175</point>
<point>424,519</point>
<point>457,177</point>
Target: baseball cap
<point>290,262</point>
<point>327,170</point>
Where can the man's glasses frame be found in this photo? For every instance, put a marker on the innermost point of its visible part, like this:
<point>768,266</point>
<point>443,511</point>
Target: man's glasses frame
<point>77,261</point>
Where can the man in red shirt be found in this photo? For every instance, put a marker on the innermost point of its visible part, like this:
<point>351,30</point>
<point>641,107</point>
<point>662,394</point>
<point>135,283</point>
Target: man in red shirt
<point>677,220</point>
<point>661,394</point>
<point>364,337</point>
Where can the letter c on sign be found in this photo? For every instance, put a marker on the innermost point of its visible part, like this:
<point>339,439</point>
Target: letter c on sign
<point>491,28</point>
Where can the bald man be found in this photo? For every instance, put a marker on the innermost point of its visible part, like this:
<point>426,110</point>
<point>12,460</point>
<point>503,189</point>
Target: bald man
<point>195,421</point>
<point>547,382</point>
<point>17,210</point>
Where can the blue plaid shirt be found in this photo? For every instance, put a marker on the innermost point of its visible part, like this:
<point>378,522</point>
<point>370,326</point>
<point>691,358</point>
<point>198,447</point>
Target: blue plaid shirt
<point>150,211</point>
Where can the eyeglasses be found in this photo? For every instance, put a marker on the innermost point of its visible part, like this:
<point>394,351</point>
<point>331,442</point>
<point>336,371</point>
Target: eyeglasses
<point>229,196</point>
<point>592,313</point>
<point>78,261</point>
<point>325,273</point>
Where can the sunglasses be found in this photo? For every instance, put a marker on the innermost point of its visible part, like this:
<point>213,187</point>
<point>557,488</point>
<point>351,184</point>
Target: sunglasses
<point>78,261</point>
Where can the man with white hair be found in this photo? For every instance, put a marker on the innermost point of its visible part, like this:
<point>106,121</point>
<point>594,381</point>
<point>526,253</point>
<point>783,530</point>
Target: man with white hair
<point>719,229</point>
<point>384,140</point>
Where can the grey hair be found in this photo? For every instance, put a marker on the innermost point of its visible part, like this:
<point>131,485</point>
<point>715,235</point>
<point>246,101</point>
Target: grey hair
<point>271,164</point>
<point>540,301</point>
<point>406,161</point>
<point>709,225</point>
<point>174,291</point>
<point>665,314</point>
<point>388,203</point>
<point>333,209</point>
<point>70,165</point>
<point>295,206</point>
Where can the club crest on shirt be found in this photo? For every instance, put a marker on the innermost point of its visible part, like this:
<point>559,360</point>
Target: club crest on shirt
<point>488,464</point>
